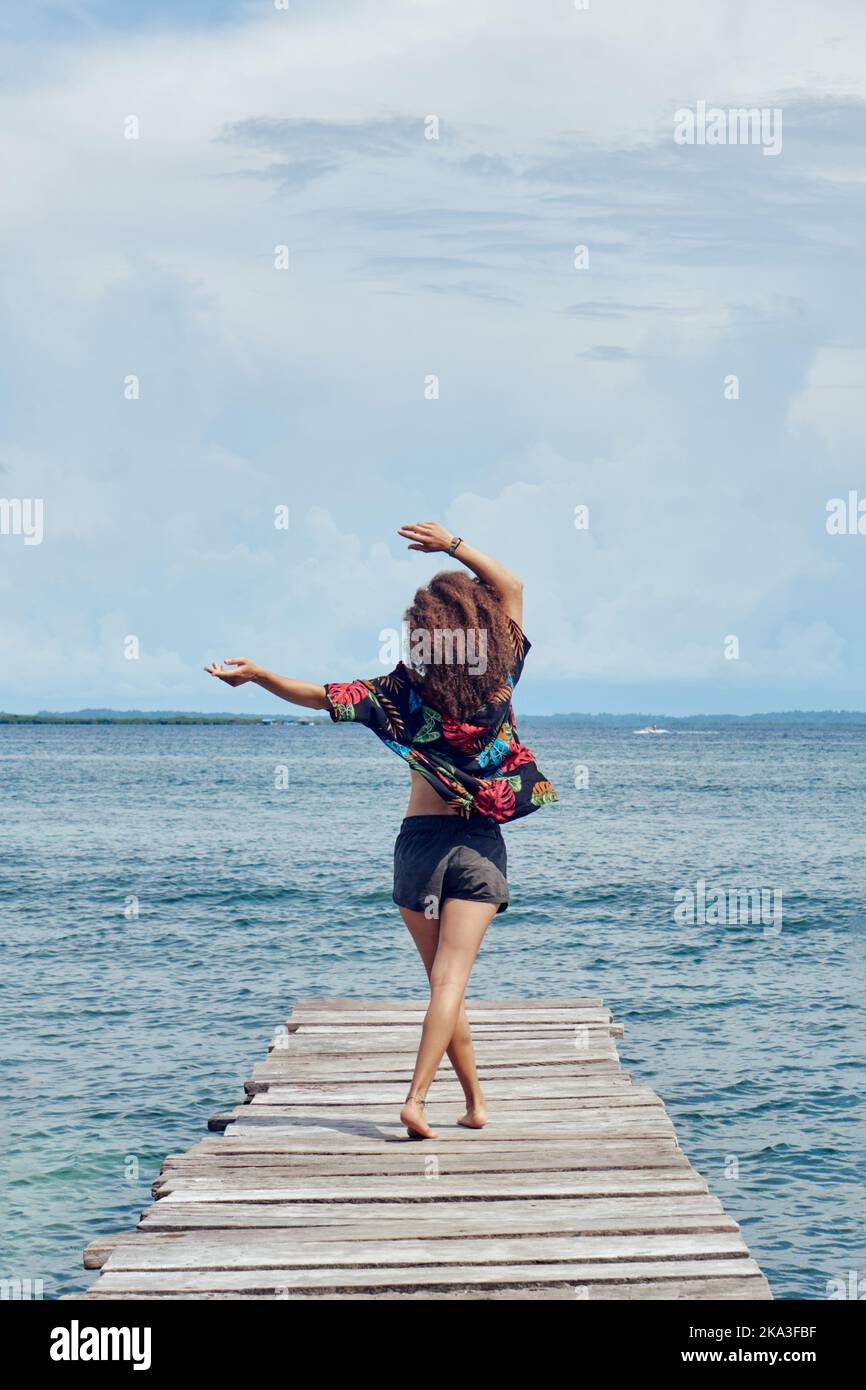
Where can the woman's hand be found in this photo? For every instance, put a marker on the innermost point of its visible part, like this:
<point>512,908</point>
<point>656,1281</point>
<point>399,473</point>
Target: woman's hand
<point>243,670</point>
<point>427,536</point>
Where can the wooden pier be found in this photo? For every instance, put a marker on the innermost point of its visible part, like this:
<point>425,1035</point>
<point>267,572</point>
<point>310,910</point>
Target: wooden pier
<point>577,1187</point>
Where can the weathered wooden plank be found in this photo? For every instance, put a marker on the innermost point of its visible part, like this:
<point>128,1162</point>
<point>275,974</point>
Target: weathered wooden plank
<point>265,1249</point>
<point>406,1038</point>
<point>617,1214</point>
<point>544,1028</point>
<point>412,1158</point>
<point>240,1140</point>
<point>430,1171</point>
<point>519,1126</point>
<point>495,1047</point>
<point>345,1005</point>
<point>599,1076</point>
<point>393,1073</point>
<point>543,1107</point>
<point>276,1281</point>
<point>648,1183</point>
<point>202,1218</point>
<point>490,1020</point>
<point>245,1121</point>
<point>253,1139</point>
<point>449,1089</point>
<point>751,1288</point>
<point>645,1121</point>
<point>566,1021</point>
<point>310,1132</point>
<point>642,1121</point>
<point>390,1070</point>
<point>428,1184</point>
<point>754,1288</point>
<point>394,1068</point>
<point>405,1033</point>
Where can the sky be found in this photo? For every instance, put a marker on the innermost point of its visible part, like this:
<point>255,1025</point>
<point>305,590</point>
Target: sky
<point>694,377</point>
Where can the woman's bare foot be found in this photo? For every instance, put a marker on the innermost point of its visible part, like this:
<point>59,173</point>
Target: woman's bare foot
<point>476,1114</point>
<point>412,1116</point>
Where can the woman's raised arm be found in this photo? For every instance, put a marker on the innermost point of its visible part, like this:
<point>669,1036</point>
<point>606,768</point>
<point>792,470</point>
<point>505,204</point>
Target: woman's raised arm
<point>241,671</point>
<point>429,536</point>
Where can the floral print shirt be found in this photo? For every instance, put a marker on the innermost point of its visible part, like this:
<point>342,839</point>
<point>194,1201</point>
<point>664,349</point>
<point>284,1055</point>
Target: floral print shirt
<point>479,767</point>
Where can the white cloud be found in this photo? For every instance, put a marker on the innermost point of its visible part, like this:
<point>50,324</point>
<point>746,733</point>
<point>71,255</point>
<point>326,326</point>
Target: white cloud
<point>832,400</point>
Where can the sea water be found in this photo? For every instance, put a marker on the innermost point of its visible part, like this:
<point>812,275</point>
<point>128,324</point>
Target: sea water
<point>168,891</point>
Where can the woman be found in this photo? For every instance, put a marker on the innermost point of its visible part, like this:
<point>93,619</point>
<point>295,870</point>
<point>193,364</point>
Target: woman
<point>453,723</point>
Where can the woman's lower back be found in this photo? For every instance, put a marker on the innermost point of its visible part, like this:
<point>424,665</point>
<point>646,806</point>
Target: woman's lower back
<point>425,801</point>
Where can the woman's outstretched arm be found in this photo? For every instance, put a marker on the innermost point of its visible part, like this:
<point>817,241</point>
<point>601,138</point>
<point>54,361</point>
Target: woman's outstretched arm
<point>240,671</point>
<point>430,536</point>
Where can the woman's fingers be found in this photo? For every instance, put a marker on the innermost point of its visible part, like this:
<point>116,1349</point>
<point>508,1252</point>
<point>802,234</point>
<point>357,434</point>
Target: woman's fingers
<point>423,533</point>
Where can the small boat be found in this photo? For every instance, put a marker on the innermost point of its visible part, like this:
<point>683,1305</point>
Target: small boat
<point>651,730</point>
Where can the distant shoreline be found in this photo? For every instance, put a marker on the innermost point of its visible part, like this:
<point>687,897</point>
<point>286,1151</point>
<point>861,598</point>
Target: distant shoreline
<point>802,718</point>
<point>154,719</point>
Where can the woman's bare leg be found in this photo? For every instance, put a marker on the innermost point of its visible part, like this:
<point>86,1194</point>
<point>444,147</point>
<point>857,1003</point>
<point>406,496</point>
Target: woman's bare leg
<point>461,1053</point>
<point>462,925</point>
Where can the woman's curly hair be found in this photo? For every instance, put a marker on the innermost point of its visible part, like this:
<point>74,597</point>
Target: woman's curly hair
<point>471,623</point>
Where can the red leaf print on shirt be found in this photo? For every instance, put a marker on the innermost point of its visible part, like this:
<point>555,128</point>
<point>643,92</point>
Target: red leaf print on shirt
<point>518,757</point>
<point>494,799</point>
<point>467,737</point>
<point>347,692</point>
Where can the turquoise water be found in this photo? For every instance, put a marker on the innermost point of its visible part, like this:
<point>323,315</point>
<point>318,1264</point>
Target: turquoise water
<point>122,1034</point>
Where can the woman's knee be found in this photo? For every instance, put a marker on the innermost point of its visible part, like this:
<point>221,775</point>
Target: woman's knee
<point>446,985</point>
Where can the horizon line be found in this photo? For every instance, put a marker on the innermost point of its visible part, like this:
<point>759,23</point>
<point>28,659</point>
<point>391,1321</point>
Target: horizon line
<point>112,713</point>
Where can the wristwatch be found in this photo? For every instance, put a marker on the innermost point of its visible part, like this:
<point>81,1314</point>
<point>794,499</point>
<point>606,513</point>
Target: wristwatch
<point>455,541</point>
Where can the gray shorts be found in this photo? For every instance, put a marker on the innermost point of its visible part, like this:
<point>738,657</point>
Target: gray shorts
<point>439,857</point>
